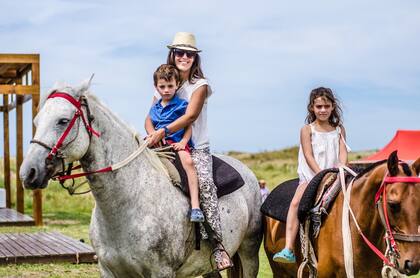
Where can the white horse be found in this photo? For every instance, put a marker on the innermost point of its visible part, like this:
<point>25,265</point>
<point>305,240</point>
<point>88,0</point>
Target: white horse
<point>139,226</point>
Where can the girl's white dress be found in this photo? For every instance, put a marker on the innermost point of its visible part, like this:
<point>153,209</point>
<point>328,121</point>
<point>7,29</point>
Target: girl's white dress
<point>325,148</point>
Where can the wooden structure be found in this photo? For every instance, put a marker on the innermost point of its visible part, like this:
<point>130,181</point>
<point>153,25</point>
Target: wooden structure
<point>43,247</point>
<point>19,82</point>
<point>10,217</point>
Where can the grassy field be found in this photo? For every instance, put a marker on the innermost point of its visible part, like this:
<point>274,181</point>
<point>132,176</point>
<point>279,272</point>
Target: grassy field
<point>71,215</point>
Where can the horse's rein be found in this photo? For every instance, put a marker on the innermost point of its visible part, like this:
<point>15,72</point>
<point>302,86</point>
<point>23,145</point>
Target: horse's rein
<point>55,152</point>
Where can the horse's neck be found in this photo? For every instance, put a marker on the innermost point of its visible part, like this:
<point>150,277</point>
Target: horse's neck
<point>115,144</point>
<point>364,207</point>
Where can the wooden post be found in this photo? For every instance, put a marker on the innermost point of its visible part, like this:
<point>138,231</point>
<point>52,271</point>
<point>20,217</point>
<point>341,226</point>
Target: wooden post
<point>6,151</point>
<point>20,207</point>
<point>37,194</point>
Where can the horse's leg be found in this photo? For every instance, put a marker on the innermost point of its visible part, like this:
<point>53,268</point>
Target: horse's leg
<point>104,271</point>
<point>248,256</point>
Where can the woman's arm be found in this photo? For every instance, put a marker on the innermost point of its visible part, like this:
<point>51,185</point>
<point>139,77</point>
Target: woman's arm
<point>305,140</point>
<point>184,141</point>
<point>191,114</point>
<point>343,148</point>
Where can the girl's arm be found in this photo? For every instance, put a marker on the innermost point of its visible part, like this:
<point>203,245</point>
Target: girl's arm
<point>305,140</point>
<point>191,114</point>
<point>342,148</point>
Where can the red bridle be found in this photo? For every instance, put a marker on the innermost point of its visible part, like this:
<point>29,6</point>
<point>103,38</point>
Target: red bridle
<point>381,203</point>
<point>54,152</point>
<point>79,113</point>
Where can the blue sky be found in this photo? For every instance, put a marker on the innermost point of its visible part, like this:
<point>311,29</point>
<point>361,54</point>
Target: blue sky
<point>261,57</point>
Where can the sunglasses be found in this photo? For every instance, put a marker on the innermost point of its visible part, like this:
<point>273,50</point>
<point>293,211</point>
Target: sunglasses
<point>180,53</point>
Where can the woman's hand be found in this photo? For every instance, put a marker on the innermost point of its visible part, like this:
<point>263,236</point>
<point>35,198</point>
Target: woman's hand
<point>180,146</point>
<point>156,137</point>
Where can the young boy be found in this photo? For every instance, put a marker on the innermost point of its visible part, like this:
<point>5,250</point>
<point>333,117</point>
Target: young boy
<point>166,110</point>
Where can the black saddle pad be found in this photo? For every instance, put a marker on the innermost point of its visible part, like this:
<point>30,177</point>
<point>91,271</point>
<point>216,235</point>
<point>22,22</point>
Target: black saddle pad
<point>226,178</point>
<point>308,197</point>
<point>277,203</point>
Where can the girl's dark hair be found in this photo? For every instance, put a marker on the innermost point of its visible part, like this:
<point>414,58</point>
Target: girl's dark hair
<point>326,93</point>
<point>195,73</point>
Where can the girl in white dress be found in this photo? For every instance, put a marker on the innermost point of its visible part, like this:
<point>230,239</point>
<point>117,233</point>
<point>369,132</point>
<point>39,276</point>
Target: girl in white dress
<point>322,146</point>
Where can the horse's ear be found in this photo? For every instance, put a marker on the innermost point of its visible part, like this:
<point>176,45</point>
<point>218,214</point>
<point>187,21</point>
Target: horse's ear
<point>84,87</point>
<point>393,164</point>
<point>416,166</point>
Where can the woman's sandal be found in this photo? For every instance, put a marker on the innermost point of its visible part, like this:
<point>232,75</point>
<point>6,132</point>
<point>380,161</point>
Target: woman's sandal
<point>217,253</point>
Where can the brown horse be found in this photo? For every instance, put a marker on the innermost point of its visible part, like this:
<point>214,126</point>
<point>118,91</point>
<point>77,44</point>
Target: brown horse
<point>403,209</point>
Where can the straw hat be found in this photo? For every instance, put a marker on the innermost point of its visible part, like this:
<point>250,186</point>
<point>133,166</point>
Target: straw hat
<point>185,41</point>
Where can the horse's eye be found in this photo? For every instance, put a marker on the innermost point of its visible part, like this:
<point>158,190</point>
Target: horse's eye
<point>394,207</point>
<point>63,121</point>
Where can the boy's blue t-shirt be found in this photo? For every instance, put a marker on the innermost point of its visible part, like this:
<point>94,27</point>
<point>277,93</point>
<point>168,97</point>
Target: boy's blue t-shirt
<point>163,116</point>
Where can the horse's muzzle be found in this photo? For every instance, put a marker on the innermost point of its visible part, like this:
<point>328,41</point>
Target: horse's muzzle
<point>33,177</point>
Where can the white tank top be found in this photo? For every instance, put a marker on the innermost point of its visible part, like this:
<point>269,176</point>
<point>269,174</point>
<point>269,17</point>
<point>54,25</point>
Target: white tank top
<point>200,136</point>
<point>326,150</point>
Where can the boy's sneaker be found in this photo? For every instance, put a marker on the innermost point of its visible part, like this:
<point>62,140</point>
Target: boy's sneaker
<point>196,215</point>
<point>285,256</point>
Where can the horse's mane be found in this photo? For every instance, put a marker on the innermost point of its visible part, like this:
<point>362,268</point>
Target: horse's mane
<point>405,167</point>
<point>370,168</point>
<point>150,154</point>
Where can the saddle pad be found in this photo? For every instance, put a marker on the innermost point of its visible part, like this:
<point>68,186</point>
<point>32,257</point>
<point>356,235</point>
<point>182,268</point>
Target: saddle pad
<point>277,203</point>
<point>308,197</point>
<point>226,178</point>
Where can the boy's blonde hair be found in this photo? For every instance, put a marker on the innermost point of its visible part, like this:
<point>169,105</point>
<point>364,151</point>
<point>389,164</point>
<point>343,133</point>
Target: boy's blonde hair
<point>166,72</point>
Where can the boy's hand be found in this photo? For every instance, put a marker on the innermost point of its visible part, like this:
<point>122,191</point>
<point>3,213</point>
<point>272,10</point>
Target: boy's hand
<point>156,137</point>
<point>180,146</point>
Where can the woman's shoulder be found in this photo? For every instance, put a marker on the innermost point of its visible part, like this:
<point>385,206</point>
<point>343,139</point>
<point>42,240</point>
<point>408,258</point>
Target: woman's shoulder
<point>198,83</point>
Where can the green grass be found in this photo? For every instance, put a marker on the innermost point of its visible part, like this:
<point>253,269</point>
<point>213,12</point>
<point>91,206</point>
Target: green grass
<point>70,215</point>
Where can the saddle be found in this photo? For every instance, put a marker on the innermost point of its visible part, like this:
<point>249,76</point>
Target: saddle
<point>278,202</point>
<point>225,177</point>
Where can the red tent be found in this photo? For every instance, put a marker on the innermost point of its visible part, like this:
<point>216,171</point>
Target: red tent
<point>407,142</point>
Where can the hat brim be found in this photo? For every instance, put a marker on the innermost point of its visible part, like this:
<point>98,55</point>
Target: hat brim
<point>183,47</point>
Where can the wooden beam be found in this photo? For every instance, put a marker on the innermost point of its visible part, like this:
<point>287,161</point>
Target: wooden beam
<point>19,58</point>
<point>37,194</point>
<point>13,104</point>
<point>20,202</point>
<point>19,89</point>
<point>6,152</point>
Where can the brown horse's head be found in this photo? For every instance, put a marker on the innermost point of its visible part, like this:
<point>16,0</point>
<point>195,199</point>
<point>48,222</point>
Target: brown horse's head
<point>403,209</point>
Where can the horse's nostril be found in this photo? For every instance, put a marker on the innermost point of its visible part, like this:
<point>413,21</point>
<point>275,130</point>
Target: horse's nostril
<point>410,268</point>
<point>32,175</point>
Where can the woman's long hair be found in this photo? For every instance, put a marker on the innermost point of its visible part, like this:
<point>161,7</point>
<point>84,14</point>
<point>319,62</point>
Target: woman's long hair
<point>335,118</point>
<point>195,73</point>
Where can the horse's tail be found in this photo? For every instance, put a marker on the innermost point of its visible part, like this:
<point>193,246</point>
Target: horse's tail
<point>236,271</point>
